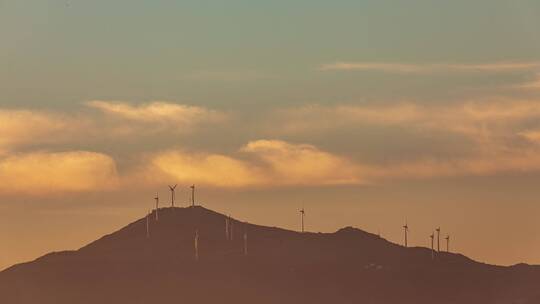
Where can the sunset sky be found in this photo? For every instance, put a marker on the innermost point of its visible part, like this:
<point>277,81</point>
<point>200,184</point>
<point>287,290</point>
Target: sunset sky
<point>368,113</point>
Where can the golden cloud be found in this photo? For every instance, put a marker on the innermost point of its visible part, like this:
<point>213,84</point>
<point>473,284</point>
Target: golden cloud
<point>208,169</point>
<point>22,126</point>
<point>302,164</point>
<point>531,135</point>
<point>158,112</point>
<point>274,163</point>
<point>271,163</point>
<point>42,173</point>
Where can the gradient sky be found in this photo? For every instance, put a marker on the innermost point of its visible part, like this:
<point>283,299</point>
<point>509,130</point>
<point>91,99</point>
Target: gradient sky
<point>369,113</point>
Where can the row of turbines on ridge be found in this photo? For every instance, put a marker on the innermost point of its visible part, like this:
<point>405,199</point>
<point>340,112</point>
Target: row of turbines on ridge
<point>229,226</point>
<point>432,238</point>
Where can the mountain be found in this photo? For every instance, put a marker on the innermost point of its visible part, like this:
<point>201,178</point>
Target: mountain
<point>281,266</point>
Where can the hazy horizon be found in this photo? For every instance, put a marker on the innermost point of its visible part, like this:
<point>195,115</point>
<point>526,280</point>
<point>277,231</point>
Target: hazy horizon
<point>368,114</point>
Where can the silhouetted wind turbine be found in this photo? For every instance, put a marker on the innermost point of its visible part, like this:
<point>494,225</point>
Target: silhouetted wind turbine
<point>197,245</point>
<point>406,230</point>
<point>245,243</point>
<point>192,195</point>
<point>303,213</point>
<point>148,224</point>
<point>172,188</point>
<point>438,239</point>
<point>432,237</point>
<point>227,228</point>
<point>447,238</point>
<point>157,205</point>
<point>231,227</point>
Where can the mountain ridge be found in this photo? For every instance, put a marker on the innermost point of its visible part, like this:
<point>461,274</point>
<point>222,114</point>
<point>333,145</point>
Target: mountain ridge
<point>281,266</point>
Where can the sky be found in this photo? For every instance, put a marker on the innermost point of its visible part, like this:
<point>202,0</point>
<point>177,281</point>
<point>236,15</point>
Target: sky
<point>367,113</point>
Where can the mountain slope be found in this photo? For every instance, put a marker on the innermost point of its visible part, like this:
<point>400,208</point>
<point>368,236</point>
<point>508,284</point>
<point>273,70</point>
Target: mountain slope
<point>348,266</point>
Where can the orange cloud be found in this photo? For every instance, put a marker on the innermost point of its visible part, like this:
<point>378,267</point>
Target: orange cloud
<point>42,173</point>
<point>22,126</point>
<point>158,112</point>
<point>208,169</point>
<point>302,164</point>
<point>531,135</point>
<point>271,163</point>
<point>274,163</point>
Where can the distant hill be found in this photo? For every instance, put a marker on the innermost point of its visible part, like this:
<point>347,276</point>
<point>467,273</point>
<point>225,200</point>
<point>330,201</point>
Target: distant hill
<point>282,266</point>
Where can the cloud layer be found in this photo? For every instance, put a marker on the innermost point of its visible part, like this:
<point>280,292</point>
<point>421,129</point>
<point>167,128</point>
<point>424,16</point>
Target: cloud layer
<point>19,127</point>
<point>42,173</point>
<point>408,68</point>
<point>502,134</point>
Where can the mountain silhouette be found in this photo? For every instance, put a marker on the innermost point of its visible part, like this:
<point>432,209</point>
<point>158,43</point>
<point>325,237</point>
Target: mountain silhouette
<point>281,266</point>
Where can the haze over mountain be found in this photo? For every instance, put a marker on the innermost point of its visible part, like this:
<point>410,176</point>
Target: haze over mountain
<point>281,266</point>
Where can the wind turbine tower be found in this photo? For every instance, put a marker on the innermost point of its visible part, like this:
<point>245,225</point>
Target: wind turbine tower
<point>432,237</point>
<point>227,228</point>
<point>438,239</point>
<point>231,229</point>
<point>157,205</point>
<point>192,195</point>
<point>148,224</point>
<point>302,214</point>
<point>406,230</point>
<point>197,245</point>
<point>172,188</point>
<point>245,243</point>
<point>447,238</point>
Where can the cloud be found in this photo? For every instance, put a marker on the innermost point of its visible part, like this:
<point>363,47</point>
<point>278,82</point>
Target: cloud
<point>476,120</point>
<point>42,173</point>
<point>19,127</point>
<point>208,169</point>
<point>531,135</point>
<point>276,163</point>
<point>269,163</point>
<point>158,112</point>
<point>406,68</point>
<point>317,117</point>
<point>531,85</point>
<point>501,136</point>
<point>302,164</point>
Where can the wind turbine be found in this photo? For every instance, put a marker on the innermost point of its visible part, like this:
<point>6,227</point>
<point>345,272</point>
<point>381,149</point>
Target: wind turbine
<point>227,228</point>
<point>192,195</point>
<point>231,227</point>
<point>432,237</point>
<point>406,230</point>
<point>148,224</point>
<point>197,245</point>
<point>438,239</point>
<point>157,205</point>
<point>245,243</point>
<point>447,238</point>
<point>172,188</point>
<point>303,213</point>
